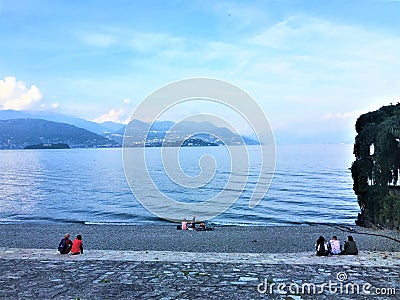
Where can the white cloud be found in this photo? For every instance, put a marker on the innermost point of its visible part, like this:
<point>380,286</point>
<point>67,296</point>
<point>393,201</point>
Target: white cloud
<point>127,101</point>
<point>329,66</point>
<point>15,95</point>
<point>344,115</point>
<point>325,67</point>
<point>316,44</point>
<point>114,115</point>
<point>305,33</point>
<point>378,103</point>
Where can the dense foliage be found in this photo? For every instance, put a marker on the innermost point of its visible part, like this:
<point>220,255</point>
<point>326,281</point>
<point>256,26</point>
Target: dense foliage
<point>376,168</point>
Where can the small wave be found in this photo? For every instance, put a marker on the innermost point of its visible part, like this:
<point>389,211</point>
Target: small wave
<point>113,223</point>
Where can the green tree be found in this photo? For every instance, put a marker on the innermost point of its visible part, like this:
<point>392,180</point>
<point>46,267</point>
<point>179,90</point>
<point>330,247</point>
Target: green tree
<point>375,170</point>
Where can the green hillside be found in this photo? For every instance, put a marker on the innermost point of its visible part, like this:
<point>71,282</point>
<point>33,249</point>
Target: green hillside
<point>18,133</point>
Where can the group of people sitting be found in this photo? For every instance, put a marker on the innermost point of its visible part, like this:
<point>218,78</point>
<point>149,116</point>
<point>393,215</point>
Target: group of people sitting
<point>185,225</point>
<point>334,246</point>
<point>66,245</point>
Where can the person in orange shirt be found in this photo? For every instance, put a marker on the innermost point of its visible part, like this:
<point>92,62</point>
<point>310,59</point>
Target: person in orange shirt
<point>77,246</point>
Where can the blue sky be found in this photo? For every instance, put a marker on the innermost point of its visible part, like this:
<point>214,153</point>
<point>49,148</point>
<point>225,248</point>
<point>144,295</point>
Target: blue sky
<point>313,66</point>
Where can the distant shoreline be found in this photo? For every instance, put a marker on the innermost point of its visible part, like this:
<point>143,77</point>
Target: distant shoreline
<point>161,222</point>
<point>48,146</point>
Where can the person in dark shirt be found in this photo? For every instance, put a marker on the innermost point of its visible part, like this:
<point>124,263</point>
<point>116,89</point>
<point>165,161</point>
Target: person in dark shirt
<point>321,247</point>
<point>202,227</point>
<point>194,223</point>
<point>350,246</point>
<point>65,245</point>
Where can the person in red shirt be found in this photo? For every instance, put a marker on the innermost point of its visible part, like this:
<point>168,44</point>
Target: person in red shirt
<point>77,246</point>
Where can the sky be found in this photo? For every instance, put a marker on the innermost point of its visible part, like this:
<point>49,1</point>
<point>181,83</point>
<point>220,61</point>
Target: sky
<point>312,66</point>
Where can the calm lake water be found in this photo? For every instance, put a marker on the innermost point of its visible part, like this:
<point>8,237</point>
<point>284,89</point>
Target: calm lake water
<point>311,184</point>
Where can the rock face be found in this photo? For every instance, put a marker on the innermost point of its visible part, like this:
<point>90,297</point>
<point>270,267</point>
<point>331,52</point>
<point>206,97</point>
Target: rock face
<point>376,169</point>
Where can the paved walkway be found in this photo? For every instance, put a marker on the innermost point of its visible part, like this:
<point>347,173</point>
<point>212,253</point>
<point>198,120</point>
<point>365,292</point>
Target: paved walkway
<point>100,274</point>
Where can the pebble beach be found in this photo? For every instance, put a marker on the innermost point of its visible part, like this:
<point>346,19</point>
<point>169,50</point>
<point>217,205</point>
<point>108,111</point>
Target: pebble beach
<point>161,262</point>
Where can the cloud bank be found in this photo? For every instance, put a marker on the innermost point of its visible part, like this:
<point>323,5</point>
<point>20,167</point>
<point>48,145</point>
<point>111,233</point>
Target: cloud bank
<point>17,96</point>
<point>114,115</point>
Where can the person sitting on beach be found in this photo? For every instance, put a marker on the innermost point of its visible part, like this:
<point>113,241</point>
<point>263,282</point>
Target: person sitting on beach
<point>65,244</point>
<point>321,247</point>
<point>193,223</point>
<point>202,227</point>
<point>184,224</point>
<point>335,246</point>
<point>77,246</point>
<point>350,246</point>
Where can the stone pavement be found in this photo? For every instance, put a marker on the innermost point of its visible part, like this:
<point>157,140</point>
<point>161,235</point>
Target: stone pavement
<point>103,274</point>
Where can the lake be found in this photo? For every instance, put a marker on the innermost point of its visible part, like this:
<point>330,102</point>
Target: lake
<point>311,184</point>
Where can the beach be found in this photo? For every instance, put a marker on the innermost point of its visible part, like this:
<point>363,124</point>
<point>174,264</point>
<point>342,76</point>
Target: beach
<point>231,239</point>
<point>161,262</point>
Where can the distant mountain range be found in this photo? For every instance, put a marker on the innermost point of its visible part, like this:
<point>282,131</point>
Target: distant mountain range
<point>20,133</point>
<point>19,129</point>
<point>50,116</point>
<point>169,133</point>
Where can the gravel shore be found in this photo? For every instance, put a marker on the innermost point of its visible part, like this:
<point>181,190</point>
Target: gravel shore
<point>161,262</point>
<point>224,239</point>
